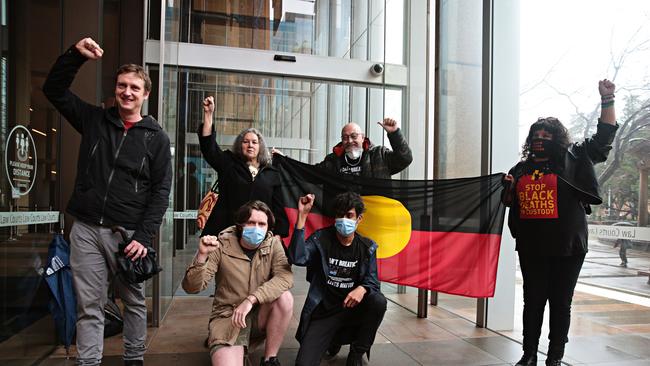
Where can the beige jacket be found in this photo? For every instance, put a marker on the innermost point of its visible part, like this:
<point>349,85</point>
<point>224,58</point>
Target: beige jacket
<point>266,278</point>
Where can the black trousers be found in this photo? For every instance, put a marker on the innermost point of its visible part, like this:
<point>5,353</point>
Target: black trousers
<point>551,279</point>
<point>623,244</point>
<point>623,253</point>
<point>356,326</point>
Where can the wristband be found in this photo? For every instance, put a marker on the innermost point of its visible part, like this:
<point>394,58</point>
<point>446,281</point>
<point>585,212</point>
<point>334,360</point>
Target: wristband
<point>607,98</point>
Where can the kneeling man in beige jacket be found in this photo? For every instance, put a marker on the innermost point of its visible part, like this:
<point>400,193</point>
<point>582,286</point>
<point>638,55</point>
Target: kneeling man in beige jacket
<point>253,277</point>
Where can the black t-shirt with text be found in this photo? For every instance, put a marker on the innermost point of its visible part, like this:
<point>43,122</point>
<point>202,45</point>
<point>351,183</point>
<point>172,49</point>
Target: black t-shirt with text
<point>343,276</point>
<point>350,166</point>
<point>550,218</point>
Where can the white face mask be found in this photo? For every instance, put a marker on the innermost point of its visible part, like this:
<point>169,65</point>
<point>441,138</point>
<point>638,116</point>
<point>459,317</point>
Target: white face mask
<point>354,154</point>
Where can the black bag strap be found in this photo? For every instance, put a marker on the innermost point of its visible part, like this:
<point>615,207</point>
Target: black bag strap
<point>215,186</point>
<point>111,290</point>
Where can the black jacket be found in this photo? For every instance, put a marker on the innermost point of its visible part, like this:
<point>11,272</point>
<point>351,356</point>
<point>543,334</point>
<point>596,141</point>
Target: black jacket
<point>236,187</point>
<point>310,253</point>
<point>576,169</point>
<point>376,161</point>
<point>123,177</point>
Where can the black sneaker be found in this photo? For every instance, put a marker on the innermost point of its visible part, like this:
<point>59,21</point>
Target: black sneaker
<point>332,351</point>
<point>272,361</point>
<point>354,359</point>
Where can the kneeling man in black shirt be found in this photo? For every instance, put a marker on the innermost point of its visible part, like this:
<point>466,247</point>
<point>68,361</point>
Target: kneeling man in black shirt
<point>344,304</point>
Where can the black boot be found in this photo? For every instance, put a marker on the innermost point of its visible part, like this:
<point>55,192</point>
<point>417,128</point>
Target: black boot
<point>354,359</point>
<point>133,363</point>
<point>332,351</point>
<point>554,355</point>
<point>528,359</point>
<point>272,361</point>
<point>552,361</point>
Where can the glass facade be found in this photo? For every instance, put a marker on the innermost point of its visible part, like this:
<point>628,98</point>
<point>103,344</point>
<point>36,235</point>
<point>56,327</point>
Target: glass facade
<point>333,28</point>
<point>300,114</point>
<point>301,117</point>
<point>459,102</point>
<point>37,146</point>
<point>28,187</point>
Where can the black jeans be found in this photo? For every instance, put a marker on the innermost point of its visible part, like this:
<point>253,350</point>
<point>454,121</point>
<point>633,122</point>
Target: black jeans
<point>551,279</point>
<point>357,326</point>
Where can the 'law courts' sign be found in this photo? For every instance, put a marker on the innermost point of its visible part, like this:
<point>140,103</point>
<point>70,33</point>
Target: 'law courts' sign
<point>619,232</point>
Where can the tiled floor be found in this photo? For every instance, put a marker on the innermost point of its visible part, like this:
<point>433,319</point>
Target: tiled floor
<point>604,331</point>
<point>403,339</point>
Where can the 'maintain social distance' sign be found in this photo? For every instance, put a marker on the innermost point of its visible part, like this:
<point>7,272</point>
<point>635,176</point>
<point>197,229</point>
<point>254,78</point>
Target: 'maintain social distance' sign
<point>20,161</point>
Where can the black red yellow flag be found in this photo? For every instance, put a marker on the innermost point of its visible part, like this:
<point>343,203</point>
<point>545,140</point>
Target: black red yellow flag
<point>442,235</point>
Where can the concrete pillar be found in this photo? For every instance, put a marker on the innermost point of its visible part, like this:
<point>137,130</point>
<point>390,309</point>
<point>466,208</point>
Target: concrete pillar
<point>505,118</point>
<point>415,124</point>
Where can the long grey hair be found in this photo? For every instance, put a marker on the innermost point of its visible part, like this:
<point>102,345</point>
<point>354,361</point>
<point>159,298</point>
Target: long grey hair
<point>263,157</point>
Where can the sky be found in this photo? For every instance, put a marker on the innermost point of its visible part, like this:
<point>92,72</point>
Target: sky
<point>568,45</point>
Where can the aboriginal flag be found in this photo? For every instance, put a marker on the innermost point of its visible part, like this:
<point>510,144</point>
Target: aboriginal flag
<point>441,235</point>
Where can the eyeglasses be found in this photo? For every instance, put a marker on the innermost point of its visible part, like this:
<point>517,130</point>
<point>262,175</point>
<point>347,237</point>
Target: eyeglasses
<point>351,137</point>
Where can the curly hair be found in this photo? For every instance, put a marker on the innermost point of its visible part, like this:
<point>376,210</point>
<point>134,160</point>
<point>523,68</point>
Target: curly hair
<point>344,202</point>
<point>551,125</point>
<point>263,157</point>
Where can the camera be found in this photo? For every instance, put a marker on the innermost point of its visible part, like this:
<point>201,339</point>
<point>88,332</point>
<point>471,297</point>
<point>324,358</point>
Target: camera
<point>377,69</point>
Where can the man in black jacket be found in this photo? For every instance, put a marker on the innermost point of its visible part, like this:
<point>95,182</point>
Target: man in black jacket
<point>356,155</point>
<point>123,178</point>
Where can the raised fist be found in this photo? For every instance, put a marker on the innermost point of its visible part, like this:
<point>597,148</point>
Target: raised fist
<point>606,87</point>
<point>208,105</point>
<point>305,203</point>
<point>208,244</point>
<point>89,49</point>
<point>389,125</point>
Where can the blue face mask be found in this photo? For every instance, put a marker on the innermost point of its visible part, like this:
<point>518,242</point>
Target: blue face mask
<point>253,235</point>
<point>345,226</point>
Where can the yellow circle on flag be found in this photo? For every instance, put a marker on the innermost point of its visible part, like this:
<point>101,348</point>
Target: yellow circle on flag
<point>387,222</point>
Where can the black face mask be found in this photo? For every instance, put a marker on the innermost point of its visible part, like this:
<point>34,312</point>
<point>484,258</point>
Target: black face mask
<point>542,148</point>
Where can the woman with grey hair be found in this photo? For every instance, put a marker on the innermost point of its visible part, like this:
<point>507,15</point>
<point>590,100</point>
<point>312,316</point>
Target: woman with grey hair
<point>244,174</point>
